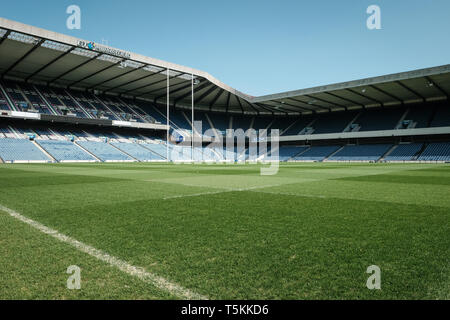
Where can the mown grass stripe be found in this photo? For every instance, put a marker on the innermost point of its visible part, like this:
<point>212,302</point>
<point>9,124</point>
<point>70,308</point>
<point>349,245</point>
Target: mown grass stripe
<point>139,272</point>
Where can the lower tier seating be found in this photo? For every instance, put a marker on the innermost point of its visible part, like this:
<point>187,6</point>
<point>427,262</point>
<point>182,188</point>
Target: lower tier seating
<point>439,151</point>
<point>20,150</point>
<point>63,150</point>
<point>136,151</point>
<point>288,152</point>
<point>364,152</point>
<point>104,151</point>
<point>316,153</point>
<point>404,152</point>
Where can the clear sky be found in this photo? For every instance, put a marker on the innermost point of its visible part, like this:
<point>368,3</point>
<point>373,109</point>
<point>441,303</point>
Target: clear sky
<point>258,46</point>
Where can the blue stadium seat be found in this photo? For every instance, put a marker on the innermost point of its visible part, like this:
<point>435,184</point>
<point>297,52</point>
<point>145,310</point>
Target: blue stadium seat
<point>20,150</point>
<point>63,150</point>
<point>363,152</point>
<point>404,152</point>
<point>137,151</point>
<point>317,153</point>
<point>104,151</point>
<point>287,152</point>
<point>158,149</point>
<point>439,151</point>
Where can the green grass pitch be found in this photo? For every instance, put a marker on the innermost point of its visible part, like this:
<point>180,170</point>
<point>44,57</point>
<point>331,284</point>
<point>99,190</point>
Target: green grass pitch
<point>226,232</point>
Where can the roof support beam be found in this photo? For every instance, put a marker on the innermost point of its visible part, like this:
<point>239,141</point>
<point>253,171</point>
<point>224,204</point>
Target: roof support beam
<point>185,86</point>
<point>411,90</point>
<point>95,73</point>
<point>437,86</point>
<point>200,87</point>
<point>240,104</point>
<point>205,94</point>
<point>216,98</point>
<point>366,97</point>
<point>303,107</point>
<point>49,64</point>
<point>74,68</point>
<point>294,107</point>
<point>155,82</point>
<point>287,110</point>
<point>170,86</point>
<point>267,108</point>
<point>228,102</point>
<point>387,94</point>
<point>251,105</point>
<point>309,104</point>
<point>36,45</point>
<point>326,101</point>
<point>118,76</point>
<point>135,80</point>
<point>5,36</point>
<point>345,99</point>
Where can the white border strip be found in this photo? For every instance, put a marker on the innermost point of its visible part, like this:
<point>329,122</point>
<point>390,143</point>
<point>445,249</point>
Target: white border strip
<point>141,273</point>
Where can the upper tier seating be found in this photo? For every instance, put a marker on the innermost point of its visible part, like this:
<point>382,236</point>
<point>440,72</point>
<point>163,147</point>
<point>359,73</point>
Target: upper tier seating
<point>241,122</point>
<point>441,117</point>
<point>220,122</point>
<point>261,123</point>
<point>386,119</point>
<point>21,96</point>
<point>330,123</point>
<point>20,150</point>
<point>104,151</point>
<point>363,152</point>
<point>439,151</point>
<point>404,152</point>
<point>201,116</point>
<point>420,115</point>
<point>298,126</point>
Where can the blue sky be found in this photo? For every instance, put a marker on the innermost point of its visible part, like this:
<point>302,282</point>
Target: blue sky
<point>261,47</point>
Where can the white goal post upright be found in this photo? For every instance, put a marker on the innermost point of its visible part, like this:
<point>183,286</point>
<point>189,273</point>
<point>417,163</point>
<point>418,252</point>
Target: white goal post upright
<point>167,116</point>
<point>192,117</point>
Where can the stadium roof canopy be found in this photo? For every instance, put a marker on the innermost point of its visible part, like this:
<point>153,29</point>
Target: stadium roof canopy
<point>45,57</point>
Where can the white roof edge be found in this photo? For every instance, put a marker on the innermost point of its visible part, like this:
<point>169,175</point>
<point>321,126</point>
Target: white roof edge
<point>58,37</point>
<point>358,83</point>
<point>55,36</point>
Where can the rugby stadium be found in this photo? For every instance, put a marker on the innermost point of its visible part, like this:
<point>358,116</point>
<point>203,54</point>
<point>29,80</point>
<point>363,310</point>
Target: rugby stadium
<point>122,165</point>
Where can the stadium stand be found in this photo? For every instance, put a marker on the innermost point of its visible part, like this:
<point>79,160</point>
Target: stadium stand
<point>441,117</point>
<point>261,123</point>
<point>316,153</point>
<point>404,152</point>
<point>14,150</point>
<point>372,120</point>
<point>420,116</point>
<point>136,151</point>
<point>368,152</point>
<point>288,152</point>
<point>104,151</point>
<point>330,123</point>
<point>439,151</point>
<point>73,117</point>
<point>220,122</point>
<point>63,150</point>
<point>299,126</point>
<point>158,149</point>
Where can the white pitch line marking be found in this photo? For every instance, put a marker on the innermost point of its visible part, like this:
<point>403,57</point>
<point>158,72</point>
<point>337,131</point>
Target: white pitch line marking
<point>219,191</point>
<point>139,272</point>
<point>294,194</point>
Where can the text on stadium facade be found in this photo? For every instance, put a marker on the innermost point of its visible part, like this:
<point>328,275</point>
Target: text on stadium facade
<point>93,46</point>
